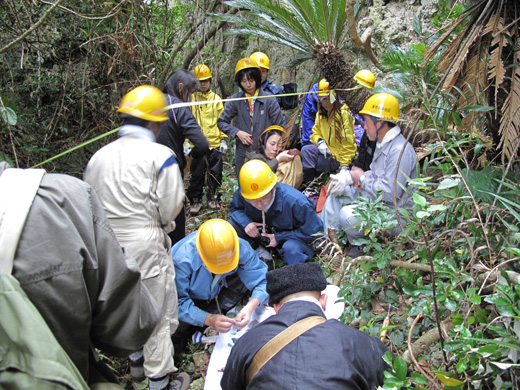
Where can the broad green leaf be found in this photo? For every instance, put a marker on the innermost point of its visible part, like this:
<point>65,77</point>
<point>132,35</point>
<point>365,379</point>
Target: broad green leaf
<point>419,199</point>
<point>401,369</point>
<point>9,116</point>
<point>419,379</point>
<point>448,183</point>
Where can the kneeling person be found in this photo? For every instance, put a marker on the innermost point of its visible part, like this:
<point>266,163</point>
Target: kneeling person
<point>327,355</point>
<point>262,201</point>
<point>214,271</point>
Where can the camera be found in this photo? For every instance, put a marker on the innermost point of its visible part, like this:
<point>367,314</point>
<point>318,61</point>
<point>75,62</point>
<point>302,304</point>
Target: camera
<point>264,241</point>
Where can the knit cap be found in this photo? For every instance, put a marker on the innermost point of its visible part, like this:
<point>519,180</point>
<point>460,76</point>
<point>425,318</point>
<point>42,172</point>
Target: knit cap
<point>294,278</point>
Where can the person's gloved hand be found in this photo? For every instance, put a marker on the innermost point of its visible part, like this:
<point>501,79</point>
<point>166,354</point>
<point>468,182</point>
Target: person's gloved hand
<point>323,148</point>
<point>223,146</point>
<point>339,182</point>
<point>187,148</point>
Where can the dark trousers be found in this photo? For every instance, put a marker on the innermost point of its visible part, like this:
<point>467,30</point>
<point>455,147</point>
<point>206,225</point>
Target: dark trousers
<point>227,298</point>
<point>180,227</point>
<point>291,251</point>
<point>211,165</point>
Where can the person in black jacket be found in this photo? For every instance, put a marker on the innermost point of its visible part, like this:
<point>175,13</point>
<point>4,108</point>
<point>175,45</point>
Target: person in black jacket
<point>181,125</point>
<point>331,355</point>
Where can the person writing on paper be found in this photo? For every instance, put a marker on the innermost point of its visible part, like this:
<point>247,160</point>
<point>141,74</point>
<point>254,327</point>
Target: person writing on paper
<point>328,355</point>
<point>214,271</point>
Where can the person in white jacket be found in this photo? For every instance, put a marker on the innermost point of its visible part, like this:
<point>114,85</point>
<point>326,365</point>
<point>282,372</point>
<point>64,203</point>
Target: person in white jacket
<point>140,186</point>
<point>379,112</point>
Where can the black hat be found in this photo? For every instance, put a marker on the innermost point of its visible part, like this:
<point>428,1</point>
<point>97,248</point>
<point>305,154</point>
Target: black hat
<point>294,278</point>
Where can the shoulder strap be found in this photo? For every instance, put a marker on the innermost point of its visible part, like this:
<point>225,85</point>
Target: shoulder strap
<point>18,188</point>
<point>278,342</point>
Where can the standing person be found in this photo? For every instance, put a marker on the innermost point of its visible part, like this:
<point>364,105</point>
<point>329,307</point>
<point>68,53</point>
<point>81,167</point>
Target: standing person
<point>253,116</point>
<point>262,203</point>
<point>70,265</point>
<point>326,354</point>
<point>140,186</point>
<point>309,111</point>
<point>380,113</point>
<point>285,102</point>
<point>334,142</point>
<point>215,271</point>
<point>181,125</point>
<point>211,164</point>
<point>286,164</point>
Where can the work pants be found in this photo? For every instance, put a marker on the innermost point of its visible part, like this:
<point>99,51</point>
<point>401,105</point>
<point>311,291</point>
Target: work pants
<point>210,165</point>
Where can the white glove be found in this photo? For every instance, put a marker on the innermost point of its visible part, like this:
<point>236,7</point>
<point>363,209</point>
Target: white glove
<point>186,147</point>
<point>223,146</point>
<point>323,148</point>
<point>339,182</point>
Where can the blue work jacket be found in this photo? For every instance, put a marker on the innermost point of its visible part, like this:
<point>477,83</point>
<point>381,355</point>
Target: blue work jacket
<point>292,215</point>
<point>194,280</point>
<point>310,108</point>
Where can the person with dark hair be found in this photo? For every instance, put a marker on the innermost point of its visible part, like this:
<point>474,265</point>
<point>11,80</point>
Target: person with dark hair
<point>285,102</point>
<point>333,140</point>
<point>286,164</point>
<point>181,125</point>
<point>140,186</point>
<point>253,115</point>
<point>316,353</point>
<point>211,165</point>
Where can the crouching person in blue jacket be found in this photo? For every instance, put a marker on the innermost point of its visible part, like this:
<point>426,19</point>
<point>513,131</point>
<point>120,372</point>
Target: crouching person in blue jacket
<point>214,271</point>
<point>288,216</point>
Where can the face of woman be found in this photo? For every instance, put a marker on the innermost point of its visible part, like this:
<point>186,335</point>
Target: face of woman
<point>325,102</point>
<point>248,84</point>
<point>273,146</point>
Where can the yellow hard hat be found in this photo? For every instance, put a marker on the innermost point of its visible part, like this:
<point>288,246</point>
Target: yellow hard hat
<point>366,78</point>
<point>218,246</point>
<point>145,102</point>
<point>261,58</point>
<point>270,128</point>
<point>383,106</point>
<point>202,72</point>
<point>256,179</point>
<point>245,63</point>
<point>323,88</point>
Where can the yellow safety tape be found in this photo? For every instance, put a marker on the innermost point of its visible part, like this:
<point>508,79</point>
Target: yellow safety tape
<point>185,104</point>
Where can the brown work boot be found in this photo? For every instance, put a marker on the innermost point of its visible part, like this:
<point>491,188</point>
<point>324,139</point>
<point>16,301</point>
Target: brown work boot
<point>196,205</point>
<point>214,205</point>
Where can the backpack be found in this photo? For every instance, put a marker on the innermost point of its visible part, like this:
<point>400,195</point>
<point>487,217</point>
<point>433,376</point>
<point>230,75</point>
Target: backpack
<point>30,355</point>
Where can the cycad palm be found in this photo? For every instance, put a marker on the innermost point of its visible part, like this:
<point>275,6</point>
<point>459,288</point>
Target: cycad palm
<point>316,28</point>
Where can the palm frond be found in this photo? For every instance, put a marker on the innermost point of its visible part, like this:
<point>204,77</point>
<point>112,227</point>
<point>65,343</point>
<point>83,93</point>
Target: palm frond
<point>459,60</point>
<point>497,70</point>
<point>510,121</point>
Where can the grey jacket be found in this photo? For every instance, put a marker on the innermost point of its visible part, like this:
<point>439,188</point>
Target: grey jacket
<point>266,113</point>
<point>383,168</point>
<point>74,271</point>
